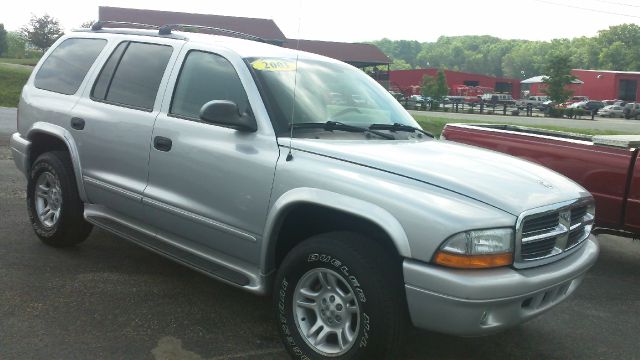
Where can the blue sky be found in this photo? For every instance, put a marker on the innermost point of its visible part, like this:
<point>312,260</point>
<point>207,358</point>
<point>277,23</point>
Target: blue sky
<point>369,20</point>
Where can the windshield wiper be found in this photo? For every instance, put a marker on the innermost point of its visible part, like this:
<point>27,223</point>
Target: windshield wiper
<point>336,125</point>
<point>399,127</point>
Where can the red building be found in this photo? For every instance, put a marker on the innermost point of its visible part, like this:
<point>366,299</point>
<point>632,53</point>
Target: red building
<point>408,82</point>
<point>602,85</point>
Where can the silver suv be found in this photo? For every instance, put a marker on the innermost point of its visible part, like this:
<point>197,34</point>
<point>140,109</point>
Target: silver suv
<point>238,159</point>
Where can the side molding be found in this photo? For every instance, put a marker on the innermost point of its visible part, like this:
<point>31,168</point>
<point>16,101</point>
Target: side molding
<point>312,196</point>
<point>64,135</point>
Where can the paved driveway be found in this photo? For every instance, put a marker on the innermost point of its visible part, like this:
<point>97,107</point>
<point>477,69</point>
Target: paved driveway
<point>109,299</point>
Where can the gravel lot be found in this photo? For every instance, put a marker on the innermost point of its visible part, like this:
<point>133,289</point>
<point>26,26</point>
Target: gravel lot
<point>109,299</point>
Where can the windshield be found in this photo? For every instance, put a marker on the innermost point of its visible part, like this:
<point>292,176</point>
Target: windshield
<point>325,91</point>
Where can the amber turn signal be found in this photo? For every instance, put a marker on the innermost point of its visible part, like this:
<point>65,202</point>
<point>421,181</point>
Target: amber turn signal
<point>473,261</point>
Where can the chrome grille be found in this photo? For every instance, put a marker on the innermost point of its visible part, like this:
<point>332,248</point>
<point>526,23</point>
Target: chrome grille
<point>577,214</point>
<point>536,249</point>
<point>552,231</point>
<point>539,224</point>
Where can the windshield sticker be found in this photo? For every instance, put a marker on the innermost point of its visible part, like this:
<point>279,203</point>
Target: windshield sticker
<point>274,65</point>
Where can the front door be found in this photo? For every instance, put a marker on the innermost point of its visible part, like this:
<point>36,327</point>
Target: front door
<point>209,186</point>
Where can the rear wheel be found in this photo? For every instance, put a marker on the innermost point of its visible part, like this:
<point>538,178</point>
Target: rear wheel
<point>55,209</point>
<point>340,296</point>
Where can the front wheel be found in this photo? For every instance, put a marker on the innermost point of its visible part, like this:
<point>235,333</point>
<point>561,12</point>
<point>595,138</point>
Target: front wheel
<point>340,296</point>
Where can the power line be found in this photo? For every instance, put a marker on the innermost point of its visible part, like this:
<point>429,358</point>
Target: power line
<point>619,3</point>
<point>588,9</point>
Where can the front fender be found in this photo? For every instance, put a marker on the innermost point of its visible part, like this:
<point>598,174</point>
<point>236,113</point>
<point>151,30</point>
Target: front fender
<point>334,201</point>
<point>64,135</point>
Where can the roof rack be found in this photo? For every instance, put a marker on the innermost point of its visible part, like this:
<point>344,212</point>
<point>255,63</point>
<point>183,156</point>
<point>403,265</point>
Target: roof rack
<point>166,30</point>
<point>98,25</point>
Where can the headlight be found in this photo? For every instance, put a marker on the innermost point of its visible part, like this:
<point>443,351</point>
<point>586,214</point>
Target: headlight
<point>477,249</point>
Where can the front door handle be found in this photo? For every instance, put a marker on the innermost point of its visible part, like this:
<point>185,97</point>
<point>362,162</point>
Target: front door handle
<point>162,143</point>
<point>77,123</point>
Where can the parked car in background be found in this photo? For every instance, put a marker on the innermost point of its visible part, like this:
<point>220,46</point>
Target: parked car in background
<point>575,99</point>
<point>605,164</point>
<point>416,102</point>
<point>614,102</point>
<point>498,99</point>
<point>547,104</point>
<point>397,95</point>
<point>612,111</point>
<point>631,110</point>
<point>534,101</point>
<point>589,105</point>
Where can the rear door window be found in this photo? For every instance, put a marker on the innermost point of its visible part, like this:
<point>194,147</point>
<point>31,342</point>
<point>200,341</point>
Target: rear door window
<point>131,77</point>
<point>67,65</point>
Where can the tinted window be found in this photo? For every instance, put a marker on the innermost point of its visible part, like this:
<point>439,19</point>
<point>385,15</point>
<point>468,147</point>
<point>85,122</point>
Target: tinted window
<point>68,64</point>
<point>102,84</point>
<point>137,75</point>
<point>205,77</point>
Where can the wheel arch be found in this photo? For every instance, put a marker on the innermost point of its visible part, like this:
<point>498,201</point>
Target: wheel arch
<point>46,137</point>
<point>340,210</point>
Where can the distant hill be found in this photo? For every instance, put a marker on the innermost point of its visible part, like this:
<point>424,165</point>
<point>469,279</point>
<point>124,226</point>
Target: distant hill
<point>616,48</point>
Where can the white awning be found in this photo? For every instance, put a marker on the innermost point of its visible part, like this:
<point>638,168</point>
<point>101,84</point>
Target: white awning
<point>540,79</point>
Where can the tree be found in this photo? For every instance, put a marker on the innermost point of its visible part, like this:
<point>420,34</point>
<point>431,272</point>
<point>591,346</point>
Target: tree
<point>616,48</point>
<point>87,24</point>
<point>435,87</point>
<point>442,89</point>
<point>3,40</point>
<point>617,56</point>
<point>428,86</point>
<point>42,31</point>
<point>399,64</point>
<point>15,45</point>
<point>558,76</point>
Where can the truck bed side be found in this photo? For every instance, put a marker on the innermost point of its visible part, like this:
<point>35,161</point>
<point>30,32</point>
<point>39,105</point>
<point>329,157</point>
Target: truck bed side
<point>602,170</point>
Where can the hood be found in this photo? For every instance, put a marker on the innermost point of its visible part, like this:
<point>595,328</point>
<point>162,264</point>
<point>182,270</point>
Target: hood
<point>500,180</point>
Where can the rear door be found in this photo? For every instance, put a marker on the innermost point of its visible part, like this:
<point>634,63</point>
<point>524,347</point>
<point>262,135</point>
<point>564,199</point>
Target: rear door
<point>58,82</point>
<point>114,122</point>
<point>209,186</point>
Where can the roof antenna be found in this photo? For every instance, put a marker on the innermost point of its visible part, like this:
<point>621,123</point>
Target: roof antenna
<point>295,83</point>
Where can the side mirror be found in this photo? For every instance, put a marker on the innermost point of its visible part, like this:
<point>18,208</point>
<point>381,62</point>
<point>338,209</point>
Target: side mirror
<point>226,113</point>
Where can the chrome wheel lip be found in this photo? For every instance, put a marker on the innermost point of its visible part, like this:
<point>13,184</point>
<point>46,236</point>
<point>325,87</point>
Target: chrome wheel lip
<point>48,199</point>
<point>326,312</point>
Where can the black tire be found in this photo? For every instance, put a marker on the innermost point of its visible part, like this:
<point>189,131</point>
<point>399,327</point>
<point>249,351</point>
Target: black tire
<point>70,228</point>
<point>373,274</point>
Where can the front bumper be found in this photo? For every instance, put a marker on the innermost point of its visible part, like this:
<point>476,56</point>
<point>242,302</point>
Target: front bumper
<point>481,302</point>
<point>19,151</point>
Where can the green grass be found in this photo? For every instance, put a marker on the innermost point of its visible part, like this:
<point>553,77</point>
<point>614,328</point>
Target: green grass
<point>30,62</point>
<point>434,125</point>
<point>12,79</point>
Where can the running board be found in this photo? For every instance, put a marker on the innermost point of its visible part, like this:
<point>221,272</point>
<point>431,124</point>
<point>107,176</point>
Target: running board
<point>221,267</point>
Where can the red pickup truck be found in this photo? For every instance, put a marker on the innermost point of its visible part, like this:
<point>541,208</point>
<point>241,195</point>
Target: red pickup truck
<point>604,165</point>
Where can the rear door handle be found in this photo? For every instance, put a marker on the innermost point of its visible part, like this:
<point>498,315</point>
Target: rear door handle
<point>77,123</point>
<point>162,143</point>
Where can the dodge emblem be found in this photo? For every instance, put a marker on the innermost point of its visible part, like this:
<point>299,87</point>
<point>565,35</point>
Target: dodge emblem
<point>545,184</point>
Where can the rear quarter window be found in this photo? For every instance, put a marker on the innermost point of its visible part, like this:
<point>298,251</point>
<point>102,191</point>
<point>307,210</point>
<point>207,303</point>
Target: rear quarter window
<point>68,64</point>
